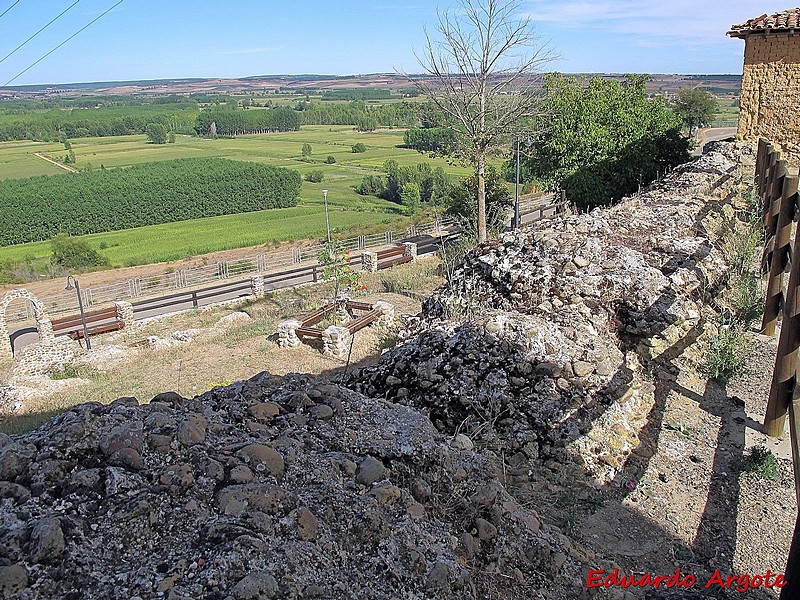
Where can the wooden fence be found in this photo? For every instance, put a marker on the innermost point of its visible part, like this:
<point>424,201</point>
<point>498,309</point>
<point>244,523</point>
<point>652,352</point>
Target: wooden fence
<point>777,189</point>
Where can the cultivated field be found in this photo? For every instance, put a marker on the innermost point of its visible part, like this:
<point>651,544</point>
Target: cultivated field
<point>177,240</point>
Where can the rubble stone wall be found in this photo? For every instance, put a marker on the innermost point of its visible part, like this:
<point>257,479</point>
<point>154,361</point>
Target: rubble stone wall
<point>770,100</point>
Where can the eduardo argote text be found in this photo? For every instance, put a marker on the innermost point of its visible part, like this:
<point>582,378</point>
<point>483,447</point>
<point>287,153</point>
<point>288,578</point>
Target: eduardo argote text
<point>740,583</point>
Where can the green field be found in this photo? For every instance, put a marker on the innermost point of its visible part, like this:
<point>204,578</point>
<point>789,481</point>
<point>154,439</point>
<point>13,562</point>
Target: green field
<point>726,110</point>
<point>177,240</point>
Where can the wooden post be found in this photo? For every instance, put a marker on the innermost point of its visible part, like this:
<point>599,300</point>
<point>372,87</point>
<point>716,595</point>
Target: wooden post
<point>783,376</point>
<point>786,205</point>
<point>761,162</point>
<point>772,208</point>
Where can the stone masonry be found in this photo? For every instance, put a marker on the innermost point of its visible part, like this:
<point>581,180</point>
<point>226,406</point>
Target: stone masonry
<point>770,100</point>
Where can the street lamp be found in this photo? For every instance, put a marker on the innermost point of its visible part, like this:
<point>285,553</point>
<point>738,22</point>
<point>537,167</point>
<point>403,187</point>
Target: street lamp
<point>77,289</point>
<point>517,223</point>
<point>327,221</point>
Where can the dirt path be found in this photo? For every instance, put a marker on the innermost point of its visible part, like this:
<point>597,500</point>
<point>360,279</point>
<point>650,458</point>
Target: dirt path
<point>55,163</point>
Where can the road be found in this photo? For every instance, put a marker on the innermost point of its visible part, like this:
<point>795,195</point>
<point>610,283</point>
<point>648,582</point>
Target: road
<point>27,334</point>
<point>712,134</point>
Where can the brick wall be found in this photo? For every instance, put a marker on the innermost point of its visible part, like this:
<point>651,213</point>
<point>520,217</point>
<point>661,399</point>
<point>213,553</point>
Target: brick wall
<point>770,104</point>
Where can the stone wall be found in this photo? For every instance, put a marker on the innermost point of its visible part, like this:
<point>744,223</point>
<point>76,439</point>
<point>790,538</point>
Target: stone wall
<point>770,102</point>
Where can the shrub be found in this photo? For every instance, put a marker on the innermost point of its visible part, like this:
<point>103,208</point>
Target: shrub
<point>726,354</point>
<point>315,176</point>
<point>330,160</point>
<point>358,148</point>
<point>75,253</point>
<point>372,185</point>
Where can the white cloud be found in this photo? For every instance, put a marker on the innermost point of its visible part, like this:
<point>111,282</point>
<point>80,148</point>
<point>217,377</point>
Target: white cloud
<point>685,20</point>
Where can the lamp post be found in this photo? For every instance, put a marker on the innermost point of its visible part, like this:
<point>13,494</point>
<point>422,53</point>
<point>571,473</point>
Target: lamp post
<point>77,289</point>
<point>517,223</point>
<point>327,221</point>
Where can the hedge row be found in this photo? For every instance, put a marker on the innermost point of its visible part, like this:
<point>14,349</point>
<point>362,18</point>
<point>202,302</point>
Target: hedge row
<point>38,208</point>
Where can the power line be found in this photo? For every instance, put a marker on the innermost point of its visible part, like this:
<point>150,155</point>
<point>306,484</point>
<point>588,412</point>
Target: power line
<point>64,42</point>
<point>9,8</point>
<point>40,31</point>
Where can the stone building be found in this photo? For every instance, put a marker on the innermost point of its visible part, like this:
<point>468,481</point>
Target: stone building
<point>770,101</point>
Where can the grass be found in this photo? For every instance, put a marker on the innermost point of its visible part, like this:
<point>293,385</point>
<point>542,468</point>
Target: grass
<point>174,241</point>
<point>762,462</point>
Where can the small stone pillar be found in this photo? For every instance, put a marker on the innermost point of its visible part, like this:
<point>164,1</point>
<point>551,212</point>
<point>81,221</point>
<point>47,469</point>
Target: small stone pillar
<point>335,341</point>
<point>369,262</point>
<point>46,335</point>
<point>410,250</point>
<point>287,336</point>
<point>5,342</point>
<point>387,313</point>
<point>257,286</point>
<point>125,313</point>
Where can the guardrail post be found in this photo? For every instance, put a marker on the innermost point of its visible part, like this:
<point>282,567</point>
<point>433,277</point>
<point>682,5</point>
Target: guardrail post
<point>194,300</point>
<point>297,257</point>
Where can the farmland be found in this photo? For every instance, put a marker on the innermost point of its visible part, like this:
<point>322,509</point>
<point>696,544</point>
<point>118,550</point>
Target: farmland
<point>177,240</point>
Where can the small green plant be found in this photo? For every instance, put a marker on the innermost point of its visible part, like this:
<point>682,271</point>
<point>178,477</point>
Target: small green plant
<point>334,259</point>
<point>306,150</point>
<point>762,462</point>
<point>726,353</point>
<point>329,160</point>
<point>358,148</point>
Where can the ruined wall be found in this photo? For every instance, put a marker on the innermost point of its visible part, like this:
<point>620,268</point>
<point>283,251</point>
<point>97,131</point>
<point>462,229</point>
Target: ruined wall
<point>770,103</point>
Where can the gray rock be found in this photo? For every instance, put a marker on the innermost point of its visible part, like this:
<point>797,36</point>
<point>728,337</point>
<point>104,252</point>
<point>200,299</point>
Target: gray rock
<point>13,579</point>
<point>370,470</point>
<point>255,586</point>
<point>47,540</point>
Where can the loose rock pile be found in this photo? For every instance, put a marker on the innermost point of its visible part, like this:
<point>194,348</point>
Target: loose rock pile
<point>559,318</point>
<point>290,487</point>
<point>279,487</point>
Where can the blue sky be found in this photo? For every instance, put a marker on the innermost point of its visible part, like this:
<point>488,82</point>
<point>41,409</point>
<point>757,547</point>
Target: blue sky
<point>148,39</point>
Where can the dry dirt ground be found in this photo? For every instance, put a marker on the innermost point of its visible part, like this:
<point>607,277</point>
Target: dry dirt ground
<point>685,500</point>
<point>220,352</point>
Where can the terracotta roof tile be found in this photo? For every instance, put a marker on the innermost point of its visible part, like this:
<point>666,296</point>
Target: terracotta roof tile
<point>782,21</point>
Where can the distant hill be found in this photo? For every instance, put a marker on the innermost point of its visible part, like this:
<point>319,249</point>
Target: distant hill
<point>719,84</point>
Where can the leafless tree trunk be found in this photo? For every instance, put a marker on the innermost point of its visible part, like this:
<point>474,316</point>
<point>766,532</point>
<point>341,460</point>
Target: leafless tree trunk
<point>478,71</point>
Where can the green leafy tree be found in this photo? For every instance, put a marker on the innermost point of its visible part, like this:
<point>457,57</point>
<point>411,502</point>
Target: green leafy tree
<point>483,50</point>
<point>171,137</point>
<point>461,200</point>
<point>306,150</point>
<point>696,107</point>
<point>410,196</point>
<point>75,253</point>
<point>156,133</point>
<point>359,148</point>
<point>603,139</point>
<point>329,160</point>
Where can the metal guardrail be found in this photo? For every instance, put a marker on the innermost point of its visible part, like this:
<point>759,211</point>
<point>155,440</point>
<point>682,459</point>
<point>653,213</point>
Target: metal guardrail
<point>141,287</point>
<point>138,289</point>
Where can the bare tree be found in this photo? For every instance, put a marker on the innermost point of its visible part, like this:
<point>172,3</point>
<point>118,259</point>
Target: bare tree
<point>479,71</point>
